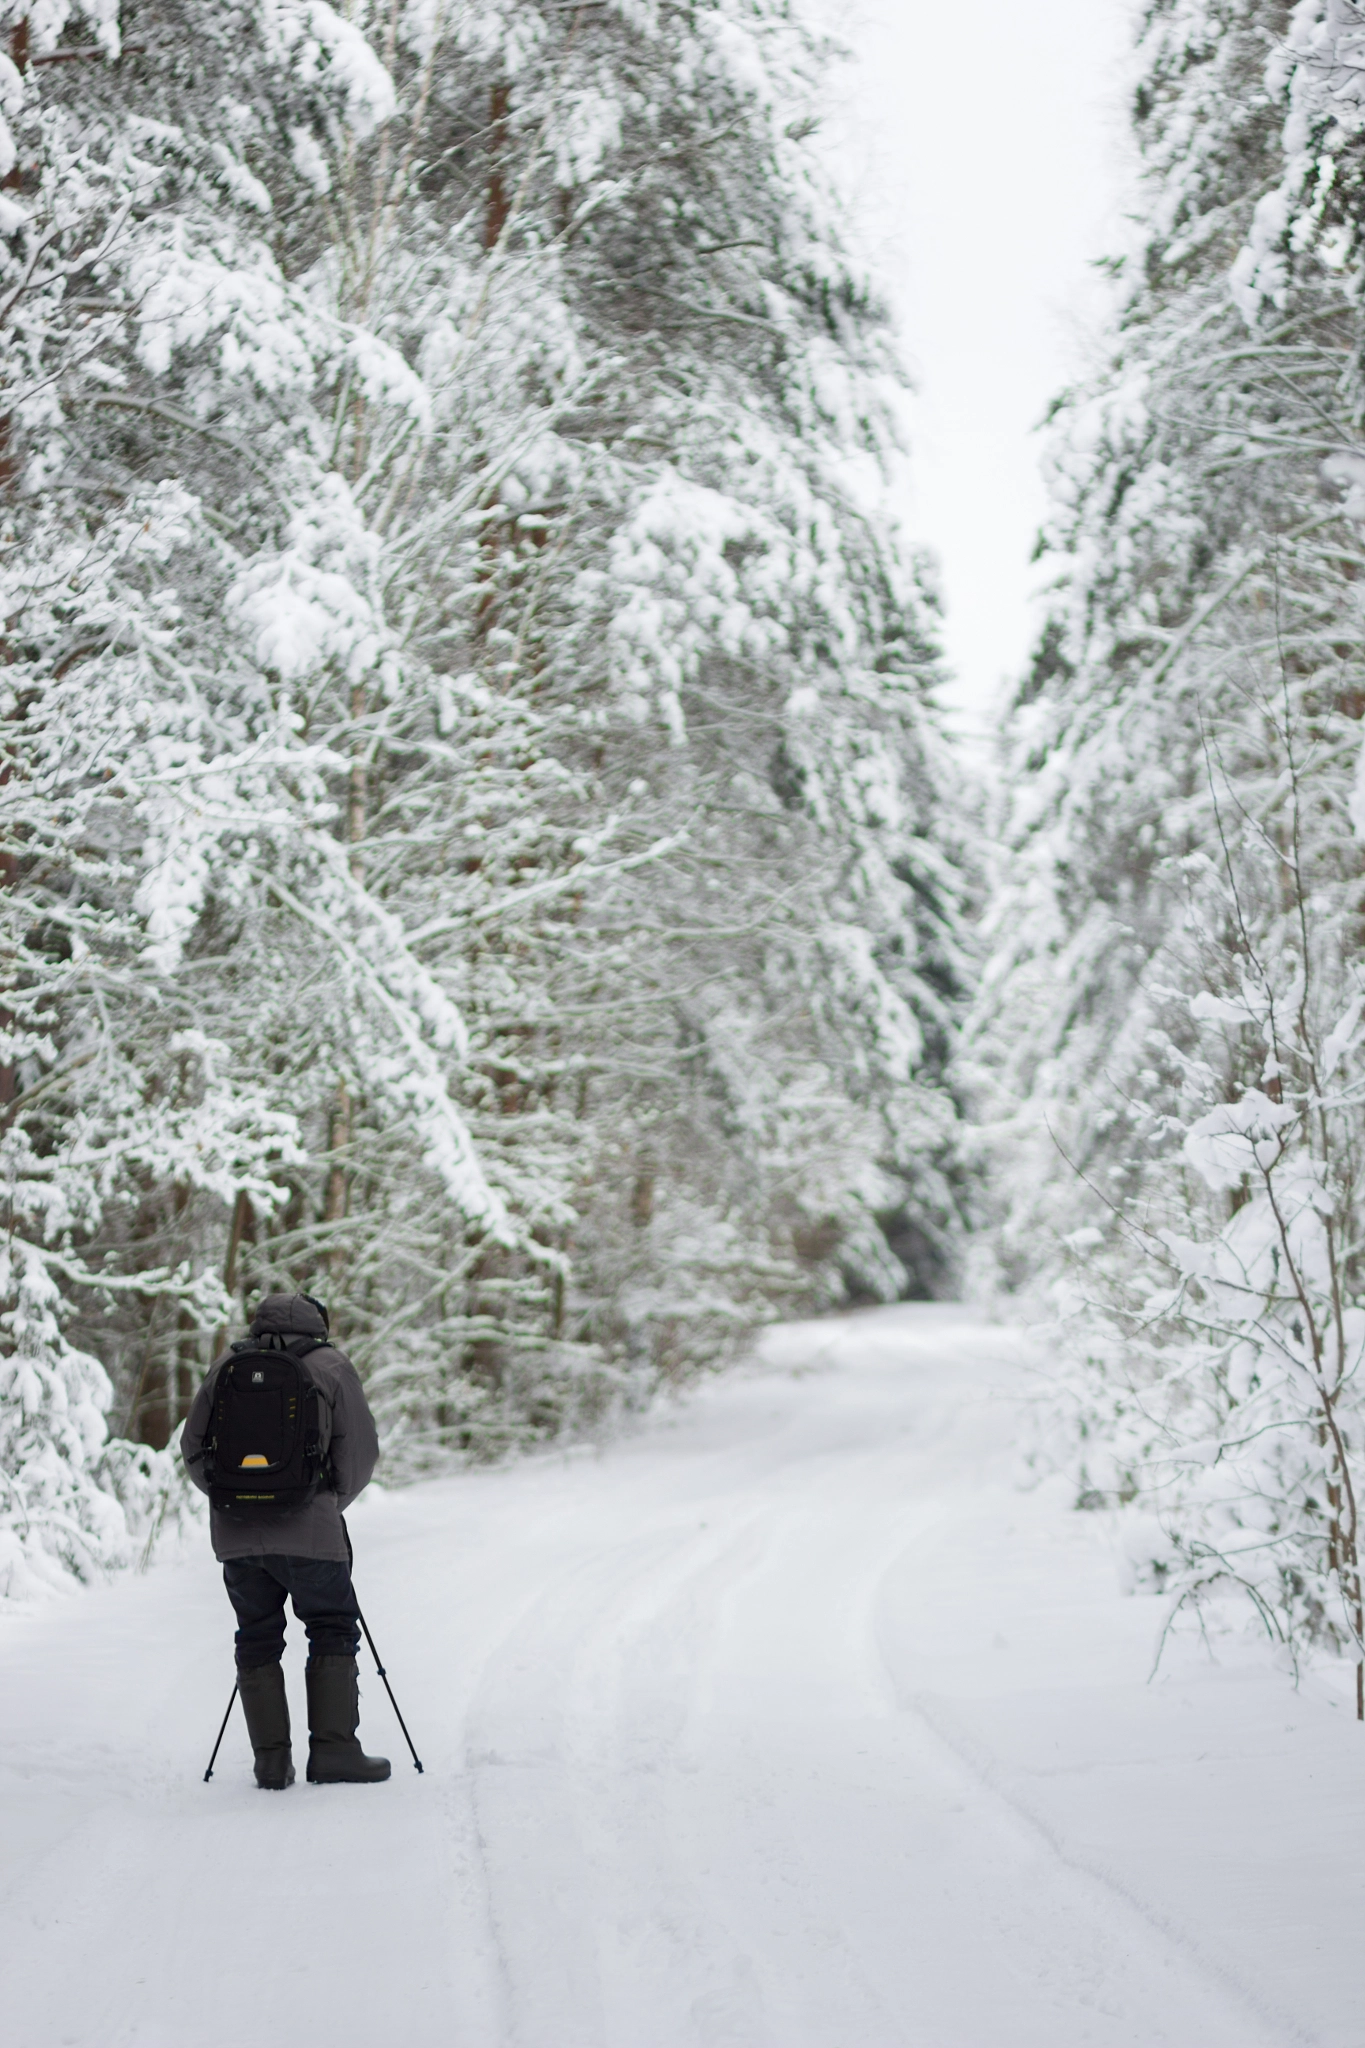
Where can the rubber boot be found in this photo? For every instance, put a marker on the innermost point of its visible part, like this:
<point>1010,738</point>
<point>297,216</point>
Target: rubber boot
<point>334,1755</point>
<point>267,1723</point>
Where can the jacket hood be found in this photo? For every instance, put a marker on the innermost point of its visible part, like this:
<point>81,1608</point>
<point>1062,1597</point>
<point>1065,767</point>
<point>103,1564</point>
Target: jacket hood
<point>291,1315</point>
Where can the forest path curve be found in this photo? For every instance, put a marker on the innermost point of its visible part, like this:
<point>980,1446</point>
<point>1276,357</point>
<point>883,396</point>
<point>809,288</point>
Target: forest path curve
<point>788,1723</point>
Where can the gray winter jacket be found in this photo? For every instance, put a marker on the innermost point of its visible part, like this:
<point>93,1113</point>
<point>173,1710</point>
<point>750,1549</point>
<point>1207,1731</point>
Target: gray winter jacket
<point>315,1530</point>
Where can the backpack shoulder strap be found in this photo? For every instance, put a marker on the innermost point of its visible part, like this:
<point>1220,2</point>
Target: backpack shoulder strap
<point>275,1340</point>
<point>317,1439</point>
<point>299,1347</point>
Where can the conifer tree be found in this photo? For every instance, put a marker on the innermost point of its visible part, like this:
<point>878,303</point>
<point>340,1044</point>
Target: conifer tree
<point>476,818</point>
<point>1169,1045</point>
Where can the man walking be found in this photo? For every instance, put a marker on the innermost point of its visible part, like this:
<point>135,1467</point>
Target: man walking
<point>282,1440</point>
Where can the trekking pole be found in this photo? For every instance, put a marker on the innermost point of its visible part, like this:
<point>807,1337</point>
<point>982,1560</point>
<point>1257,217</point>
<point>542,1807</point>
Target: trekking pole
<point>375,1654</point>
<point>387,1687</point>
<point>221,1732</point>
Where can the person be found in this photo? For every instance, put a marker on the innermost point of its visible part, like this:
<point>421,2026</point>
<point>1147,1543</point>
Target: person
<point>301,1553</point>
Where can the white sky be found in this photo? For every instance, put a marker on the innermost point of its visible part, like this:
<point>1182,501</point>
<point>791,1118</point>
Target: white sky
<point>985,143</point>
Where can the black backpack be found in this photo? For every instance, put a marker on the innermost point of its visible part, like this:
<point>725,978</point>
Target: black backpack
<point>265,1452</point>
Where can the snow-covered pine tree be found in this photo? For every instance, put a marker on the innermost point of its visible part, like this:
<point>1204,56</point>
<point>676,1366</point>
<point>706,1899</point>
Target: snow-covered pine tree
<point>1168,1043</point>
<point>531,802</point>
<point>111,1100</point>
<point>684,585</point>
<point>443,470</point>
<point>161,795</point>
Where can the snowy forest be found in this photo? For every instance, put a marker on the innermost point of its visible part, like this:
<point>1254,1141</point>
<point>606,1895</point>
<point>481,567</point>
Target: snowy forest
<point>481,838</point>
<point>1166,1051</point>
<point>479,841</point>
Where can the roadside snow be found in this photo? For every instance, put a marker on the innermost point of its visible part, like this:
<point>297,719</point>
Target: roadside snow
<point>789,1722</point>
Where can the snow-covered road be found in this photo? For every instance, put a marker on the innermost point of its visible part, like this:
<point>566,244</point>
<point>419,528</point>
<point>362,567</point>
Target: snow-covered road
<point>787,1722</point>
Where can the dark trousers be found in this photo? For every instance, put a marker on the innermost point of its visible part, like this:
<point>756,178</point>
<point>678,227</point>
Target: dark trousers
<point>324,1601</point>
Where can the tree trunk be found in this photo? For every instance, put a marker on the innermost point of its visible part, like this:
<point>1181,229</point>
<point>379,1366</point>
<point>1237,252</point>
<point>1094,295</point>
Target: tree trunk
<point>499,205</point>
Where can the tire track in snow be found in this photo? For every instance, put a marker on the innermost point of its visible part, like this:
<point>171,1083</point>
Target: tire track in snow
<point>982,1771</point>
<point>879,1861</point>
<point>979,1774</point>
<point>688,1782</point>
<point>536,1796</point>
